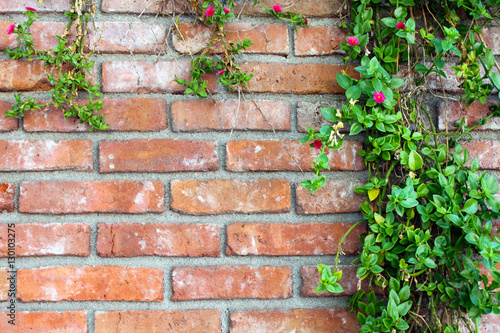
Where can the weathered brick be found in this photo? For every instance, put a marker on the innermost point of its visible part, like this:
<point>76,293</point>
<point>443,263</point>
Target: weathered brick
<point>454,111</point>
<point>158,155</point>
<point>121,114</point>
<point>229,282</point>
<point>488,153</point>
<point>7,124</point>
<point>7,194</point>
<point>158,239</point>
<point>4,286</point>
<point>310,280</point>
<point>305,78</point>
<point>47,239</point>
<point>226,115</point>
<point>222,196</point>
<point>145,6</point>
<point>491,37</point>
<point>111,37</point>
<point>158,321</point>
<point>320,8</point>
<point>274,155</point>
<point>16,75</point>
<point>46,322</point>
<point>6,40</point>
<point>294,320</point>
<point>319,41</point>
<point>334,197</point>
<point>309,114</point>
<point>90,283</point>
<point>144,77</point>
<point>77,197</point>
<point>291,239</point>
<point>267,38</point>
<point>490,323</point>
<point>16,6</point>
<point>46,155</point>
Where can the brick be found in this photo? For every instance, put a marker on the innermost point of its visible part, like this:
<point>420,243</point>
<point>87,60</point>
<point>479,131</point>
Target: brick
<point>294,320</point>
<point>158,155</point>
<point>334,197</point>
<point>143,77</point>
<point>309,114</point>
<point>46,155</point>
<point>280,155</point>
<point>225,115</point>
<point>158,239</point>
<point>16,6</point>
<point>304,78</point>
<point>7,124</point>
<point>267,38</point>
<point>145,6</point>
<point>291,239</point>
<point>491,37</point>
<point>310,280</point>
<point>111,37</point>
<point>488,153</point>
<point>47,239</point>
<point>223,196</point>
<point>6,40</point>
<point>158,321</point>
<point>90,283</point>
<point>4,286</point>
<point>490,323</point>
<point>7,194</point>
<point>46,322</point>
<point>229,282</point>
<point>320,8</point>
<point>77,197</point>
<point>319,41</point>
<point>16,75</point>
<point>454,111</point>
<point>121,114</point>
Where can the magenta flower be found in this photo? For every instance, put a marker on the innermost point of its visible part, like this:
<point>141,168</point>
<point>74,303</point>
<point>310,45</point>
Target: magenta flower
<point>209,12</point>
<point>318,144</point>
<point>400,25</point>
<point>352,40</point>
<point>379,97</point>
<point>31,9</point>
<point>306,21</point>
<point>220,72</point>
<point>11,29</point>
<point>226,10</point>
<point>277,8</point>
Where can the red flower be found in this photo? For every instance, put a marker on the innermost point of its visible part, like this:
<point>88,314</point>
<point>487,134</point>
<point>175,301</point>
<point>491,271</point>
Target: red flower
<point>11,29</point>
<point>277,8</point>
<point>352,40</point>
<point>220,72</point>
<point>306,21</point>
<point>209,12</point>
<point>226,10</point>
<point>318,144</point>
<point>400,25</point>
<point>31,9</point>
<point>379,97</point>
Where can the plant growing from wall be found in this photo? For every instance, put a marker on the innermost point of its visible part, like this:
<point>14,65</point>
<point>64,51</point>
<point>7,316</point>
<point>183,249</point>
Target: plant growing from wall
<point>428,207</point>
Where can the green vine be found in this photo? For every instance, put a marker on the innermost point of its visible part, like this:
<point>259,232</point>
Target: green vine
<point>428,208</point>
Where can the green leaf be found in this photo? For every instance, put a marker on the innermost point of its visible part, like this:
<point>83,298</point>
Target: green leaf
<point>355,128</point>
<point>495,79</point>
<point>474,166</point>
<point>415,161</point>
<point>354,93</point>
<point>421,68</point>
<point>392,309</point>
<point>320,288</point>
<point>470,206</point>
<point>429,263</point>
<point>344,81</point>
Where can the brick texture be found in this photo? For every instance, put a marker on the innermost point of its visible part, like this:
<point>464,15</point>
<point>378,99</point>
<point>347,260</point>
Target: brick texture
<point>309,115</point>
<point>16,6</point>
<point>488,153</point>
<point>24,75</point>
<point>46,322</point>
<point>90,283</point>
<point>228,282</point>
<point>144,6</point>
<point>158,321</point>
<point>55,197</point>
<point>7,193</point>
<point>159,239</point>
<point>334,197</point>
<point>310,280</point>
<point>5,285</point>
<point>320,8</point>
<point>7,124</point>
<point>453,111</point>
<point>222,196</point>
<point>47,239</point>
<point>319,41</point>
<point>6,40</point>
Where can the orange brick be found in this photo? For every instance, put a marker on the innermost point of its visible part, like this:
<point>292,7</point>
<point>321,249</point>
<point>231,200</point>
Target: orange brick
<point>291,239</point>
<point>319,8</point>
<point>90,283</point>
<point>6,40</point>
<point>158,239</point>
<point>222,196</point>
<point>488,153</point>
<point>46,322</point>
<point>7,194</point>
<point>7,124</point>
<point>319,41</point>
<point>46,155</point>
<point>47,239</point>
<point>228,282</point>
<point>310,280</point>
<point>309,115</point>
<point>158,155</point>
<point>20,75</point>
<point>16,6</point>
<point>211,115</point>
<point>145,6</point>
<point>77,197</point>
<point>4,286</point>
<point>454,111</point>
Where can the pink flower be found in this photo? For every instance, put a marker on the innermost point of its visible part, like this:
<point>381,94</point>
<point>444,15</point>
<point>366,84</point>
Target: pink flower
<point>277,8</point>
<point>352,40</point>
<point>400,25</point>
<point>318,144</point>
<point>226,10</point>
<point>220,72</point>
<point>209,12</point>
<point>11,29</point>
<point>379,97</point>
<point>306,21</point>
<point>31,9</point>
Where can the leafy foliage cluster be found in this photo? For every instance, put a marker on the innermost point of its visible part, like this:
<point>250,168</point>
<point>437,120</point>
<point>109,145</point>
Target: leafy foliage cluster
<point>428,207</point>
